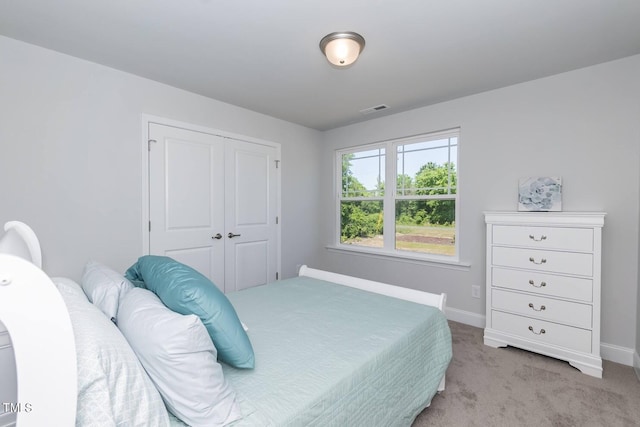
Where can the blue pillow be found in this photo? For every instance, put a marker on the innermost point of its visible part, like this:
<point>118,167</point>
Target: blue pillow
<point>186,291</point>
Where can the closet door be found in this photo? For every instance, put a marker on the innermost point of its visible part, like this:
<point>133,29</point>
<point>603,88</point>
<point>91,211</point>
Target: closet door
<point>213,205</point>
<point>251,215</point>
<point>186,198</point>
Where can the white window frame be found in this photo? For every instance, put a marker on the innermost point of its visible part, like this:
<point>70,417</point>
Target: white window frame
<point>390,197</point>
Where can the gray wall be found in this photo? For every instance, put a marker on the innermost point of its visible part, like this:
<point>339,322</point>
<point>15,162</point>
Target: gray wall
<point>583,126</point>
<point>71,157</point>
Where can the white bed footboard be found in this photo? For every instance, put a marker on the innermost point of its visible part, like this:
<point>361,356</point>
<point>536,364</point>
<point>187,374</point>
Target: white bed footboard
<point>36,317</point>
<point>413,295</point>
<point>435,300</point>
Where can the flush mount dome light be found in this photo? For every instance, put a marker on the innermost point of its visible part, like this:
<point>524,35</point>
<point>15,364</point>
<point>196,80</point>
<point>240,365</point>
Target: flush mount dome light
<point>342,48</point>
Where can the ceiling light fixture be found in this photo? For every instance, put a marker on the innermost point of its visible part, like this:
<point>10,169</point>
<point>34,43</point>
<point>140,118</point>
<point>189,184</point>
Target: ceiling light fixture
<point>342,48</point>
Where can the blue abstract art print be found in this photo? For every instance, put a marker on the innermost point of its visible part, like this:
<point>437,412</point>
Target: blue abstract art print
<point>540,194</point>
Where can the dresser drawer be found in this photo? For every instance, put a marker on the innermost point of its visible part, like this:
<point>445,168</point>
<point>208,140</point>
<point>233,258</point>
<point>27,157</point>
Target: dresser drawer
<point>543,283</point>
<point>533,259</point>
<point>553,310</point>
<point>565,238</point>
<point>555,334</point>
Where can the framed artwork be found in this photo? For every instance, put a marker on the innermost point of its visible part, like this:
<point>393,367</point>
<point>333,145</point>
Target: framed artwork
<point>540,194</point>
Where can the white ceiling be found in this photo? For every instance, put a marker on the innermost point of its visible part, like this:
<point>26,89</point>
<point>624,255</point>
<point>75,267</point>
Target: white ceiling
<point>263,54</point>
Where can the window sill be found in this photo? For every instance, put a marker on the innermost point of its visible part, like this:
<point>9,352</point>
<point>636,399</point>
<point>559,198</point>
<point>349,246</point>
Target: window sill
<point>402,257</point>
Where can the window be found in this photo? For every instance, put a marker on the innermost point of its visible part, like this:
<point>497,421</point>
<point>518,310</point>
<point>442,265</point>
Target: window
<point>404,205</point>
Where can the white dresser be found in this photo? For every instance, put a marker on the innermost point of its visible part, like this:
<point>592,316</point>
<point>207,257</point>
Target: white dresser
<point>543,284</point>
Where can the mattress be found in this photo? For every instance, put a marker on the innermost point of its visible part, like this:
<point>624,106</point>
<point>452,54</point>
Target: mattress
<point>330,355</point>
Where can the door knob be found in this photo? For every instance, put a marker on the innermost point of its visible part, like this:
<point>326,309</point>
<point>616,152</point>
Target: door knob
<point>231,235</point>
<point>218,236</point>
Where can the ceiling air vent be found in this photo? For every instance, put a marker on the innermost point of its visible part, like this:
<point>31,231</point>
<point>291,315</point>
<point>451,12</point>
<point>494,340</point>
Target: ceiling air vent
<point>374,109</point>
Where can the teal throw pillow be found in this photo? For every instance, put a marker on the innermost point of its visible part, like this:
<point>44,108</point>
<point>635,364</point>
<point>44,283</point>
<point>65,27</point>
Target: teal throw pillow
<point>185,291</point>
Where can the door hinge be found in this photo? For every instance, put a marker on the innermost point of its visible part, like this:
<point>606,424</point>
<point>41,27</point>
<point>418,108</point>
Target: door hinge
<point>277,220</point>
<point>149,226</point>
<point>277,164</point>
<point>277,275</point>
<point>149,143</point>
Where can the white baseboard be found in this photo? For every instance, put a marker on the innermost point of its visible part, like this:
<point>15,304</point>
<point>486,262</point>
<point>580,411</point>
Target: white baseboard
<point>614,353</point>
<point>466,317</point>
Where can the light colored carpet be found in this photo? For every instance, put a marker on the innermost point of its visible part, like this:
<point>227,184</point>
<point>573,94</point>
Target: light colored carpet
<point>512,387</point>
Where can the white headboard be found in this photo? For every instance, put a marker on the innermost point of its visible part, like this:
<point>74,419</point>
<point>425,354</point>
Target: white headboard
<point>34,313</point>
<point>20,240</point>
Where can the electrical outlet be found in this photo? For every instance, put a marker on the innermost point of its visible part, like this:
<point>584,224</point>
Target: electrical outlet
<point>475,291</point>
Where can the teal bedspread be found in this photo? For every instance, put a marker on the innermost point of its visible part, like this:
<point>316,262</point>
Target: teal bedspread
<point>329,355</point>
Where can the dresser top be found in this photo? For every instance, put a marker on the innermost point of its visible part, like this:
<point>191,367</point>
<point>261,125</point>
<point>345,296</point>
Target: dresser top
<point>576,219</point>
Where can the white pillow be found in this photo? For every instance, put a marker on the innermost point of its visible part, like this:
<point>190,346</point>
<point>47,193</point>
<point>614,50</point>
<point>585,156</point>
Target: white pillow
<point>113,387</point>
<point>181,360</point>
<point>104,287</point>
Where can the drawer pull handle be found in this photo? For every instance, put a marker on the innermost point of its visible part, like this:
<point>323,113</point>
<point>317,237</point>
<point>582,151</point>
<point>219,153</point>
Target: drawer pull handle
<point>542,307</point>
<point>541,285</point>
<point>542,237</point>
<point>542,261</point>
<point>542,331</point>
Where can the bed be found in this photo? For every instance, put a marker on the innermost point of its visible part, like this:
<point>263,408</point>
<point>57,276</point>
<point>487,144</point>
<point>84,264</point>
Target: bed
<point>329,350</point>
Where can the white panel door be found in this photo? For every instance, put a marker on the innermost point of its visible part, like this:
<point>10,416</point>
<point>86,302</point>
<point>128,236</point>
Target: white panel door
<point>251,210</point>
<point>186,198</point>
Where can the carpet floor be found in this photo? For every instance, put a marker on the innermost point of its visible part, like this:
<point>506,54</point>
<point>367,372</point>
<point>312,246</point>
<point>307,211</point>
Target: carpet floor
<point>511,387</point>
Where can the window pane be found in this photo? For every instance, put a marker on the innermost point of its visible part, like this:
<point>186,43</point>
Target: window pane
<point>363,173</point>
<point>361,223</point>
<point>453,168</point>
<point>427,144</point>
<point>426,170</point>
<point>426,226</point>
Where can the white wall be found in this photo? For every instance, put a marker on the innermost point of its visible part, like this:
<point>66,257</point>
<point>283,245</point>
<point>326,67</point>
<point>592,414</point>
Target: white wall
<point>71,157</point>
<point>583,126</point>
